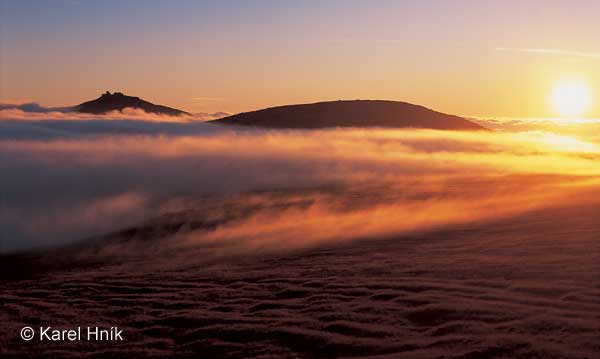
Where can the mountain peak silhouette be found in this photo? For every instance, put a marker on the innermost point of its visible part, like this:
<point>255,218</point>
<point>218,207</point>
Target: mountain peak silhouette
<point>118,101</point>
<point>353,113</point>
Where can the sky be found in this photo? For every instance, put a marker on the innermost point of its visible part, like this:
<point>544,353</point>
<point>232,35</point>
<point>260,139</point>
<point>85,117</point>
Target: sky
<point>472,58</point>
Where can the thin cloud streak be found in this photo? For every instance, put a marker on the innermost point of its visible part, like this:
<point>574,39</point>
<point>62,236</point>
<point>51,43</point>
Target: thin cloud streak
<point>555,52</point>
<point>207,99</point>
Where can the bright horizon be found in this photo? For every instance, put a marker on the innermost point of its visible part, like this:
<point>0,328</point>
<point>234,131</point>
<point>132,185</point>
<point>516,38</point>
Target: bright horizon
<point>490,59</point>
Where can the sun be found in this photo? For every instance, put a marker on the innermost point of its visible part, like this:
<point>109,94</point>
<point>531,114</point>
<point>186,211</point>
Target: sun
<point>571,98</point>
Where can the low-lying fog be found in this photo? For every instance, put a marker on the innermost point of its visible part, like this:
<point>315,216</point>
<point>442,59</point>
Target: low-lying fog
<point>68,178</point>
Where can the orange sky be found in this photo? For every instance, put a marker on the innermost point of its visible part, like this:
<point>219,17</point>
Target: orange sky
<point>456,56</point>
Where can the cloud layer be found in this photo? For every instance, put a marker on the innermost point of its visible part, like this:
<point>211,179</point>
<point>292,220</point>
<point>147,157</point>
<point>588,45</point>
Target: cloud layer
<point>36,112</point>
<point>65,180</point>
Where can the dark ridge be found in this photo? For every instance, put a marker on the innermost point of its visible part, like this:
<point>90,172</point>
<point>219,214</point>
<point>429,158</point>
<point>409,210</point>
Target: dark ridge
<point>356,113</point>
<point>118,101</point>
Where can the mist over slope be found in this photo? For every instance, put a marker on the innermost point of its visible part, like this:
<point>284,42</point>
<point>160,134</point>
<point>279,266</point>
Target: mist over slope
<point>100,176</point>
<point>275,281</point>
<point>109,106</point>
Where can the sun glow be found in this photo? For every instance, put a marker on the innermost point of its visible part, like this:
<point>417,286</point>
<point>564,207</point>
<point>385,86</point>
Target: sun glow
<point>571,98</point>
